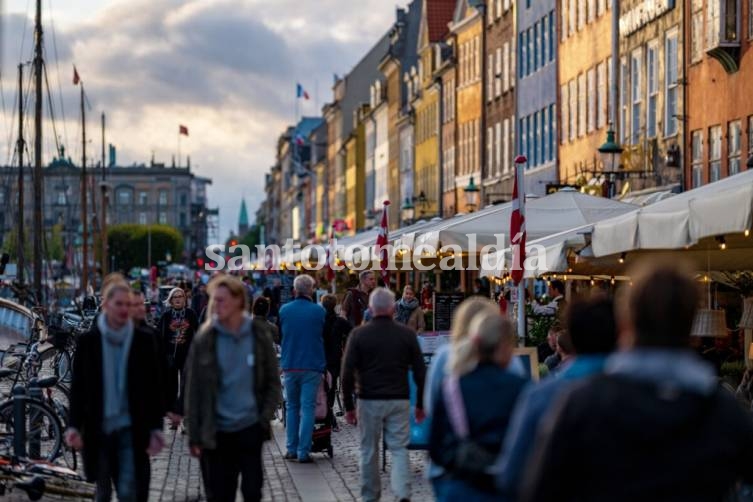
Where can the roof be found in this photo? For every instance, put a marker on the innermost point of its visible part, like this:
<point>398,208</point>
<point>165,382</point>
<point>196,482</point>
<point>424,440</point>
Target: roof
<point>439,14</point>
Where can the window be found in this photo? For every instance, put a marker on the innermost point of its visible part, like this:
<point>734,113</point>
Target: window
<point>750,135</point>
<point>581,14</point>
<point>489,151</point>
<point>163,218</point>
<point>750,18</point>
<point>506,67</point>
<point>536,47</point>
<point>545,36</point>
<point>715,153</point>
<point>497,155</point>
<point>490,76</point>
<point>696,32</point>
<point>563,11</point>
<point>591,114</point>
<point>512,63</point>
<point>582,102</point>
<point>498,73</point>
<point>163,197</point>
<point>573,111</point>
<point>545,135</point>
<point>591,10</point>
<point>565,107</point>
<point>536,134</point>
<point>183,199</point>
<point>62,199</point>
<point>552,131</point>
<point>552,37</point>
<point>734,134</point>
<point>142,218</point>
<point>624,101</point>
<point>183,220</point>
<point>635,95</point>
<point>601,95</point>
<point>611,114</point>
<point>531,55</point>
<point>143,198</point>
<point>697,157</point>
<point>652,85</point>
<point>523,54</point>
<point>124,197</point>
<point>506,146</point>
<point>671,84</point>
<point>477,58</point>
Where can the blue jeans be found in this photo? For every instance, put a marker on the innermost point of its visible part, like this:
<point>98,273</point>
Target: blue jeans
<point>300,393</point>
<point>127,469</point>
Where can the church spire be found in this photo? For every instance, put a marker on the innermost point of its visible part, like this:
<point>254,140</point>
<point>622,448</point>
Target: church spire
<point>243,219</point>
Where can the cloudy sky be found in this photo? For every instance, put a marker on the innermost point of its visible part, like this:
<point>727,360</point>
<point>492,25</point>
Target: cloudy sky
<point>226,69</point>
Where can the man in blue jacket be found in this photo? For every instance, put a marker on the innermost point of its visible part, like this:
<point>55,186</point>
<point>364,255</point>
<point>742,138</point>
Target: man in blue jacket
<point>303,362</point>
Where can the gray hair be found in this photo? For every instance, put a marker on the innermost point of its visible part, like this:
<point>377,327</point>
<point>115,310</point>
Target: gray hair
<point>364,274</point>
<point>168,301</point>
<point>381,301</point>
<point>304,285</point>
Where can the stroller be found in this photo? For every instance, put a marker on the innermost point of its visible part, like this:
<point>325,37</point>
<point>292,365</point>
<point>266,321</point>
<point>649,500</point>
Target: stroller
<point>322,436</point>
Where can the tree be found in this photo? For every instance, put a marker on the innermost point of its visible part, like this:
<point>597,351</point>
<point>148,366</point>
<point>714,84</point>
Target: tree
<point>129,244</point>
<point>55,248</point>
<point>252,238</point>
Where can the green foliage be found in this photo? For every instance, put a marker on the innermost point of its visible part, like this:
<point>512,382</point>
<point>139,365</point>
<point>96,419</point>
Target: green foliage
<point>252,238</point>
<point>10,243</point>
<point>733,371</point>
<point>55,248</point>
<point>538,327</point>
<point>129,244</point>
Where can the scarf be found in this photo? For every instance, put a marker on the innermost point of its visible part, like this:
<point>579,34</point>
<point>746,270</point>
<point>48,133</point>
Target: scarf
<point>405,309</point>
<point>116,346</point>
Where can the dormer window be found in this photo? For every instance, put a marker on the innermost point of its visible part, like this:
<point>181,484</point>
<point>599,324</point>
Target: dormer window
<point>723,32</point>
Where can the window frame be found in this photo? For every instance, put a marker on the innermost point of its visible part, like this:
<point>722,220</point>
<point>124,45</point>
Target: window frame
<point>652,88</point>
<point>671,85</point>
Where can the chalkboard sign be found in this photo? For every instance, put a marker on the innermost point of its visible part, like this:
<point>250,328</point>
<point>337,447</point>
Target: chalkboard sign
<point>286,293</point>
<point>444,306</point>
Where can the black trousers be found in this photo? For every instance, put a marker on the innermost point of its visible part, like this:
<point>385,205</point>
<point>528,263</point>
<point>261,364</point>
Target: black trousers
<point>236,453</point>
<point>121,465</point>
<point>174,391</point>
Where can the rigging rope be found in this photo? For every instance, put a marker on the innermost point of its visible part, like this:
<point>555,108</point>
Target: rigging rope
<point>60,86</point>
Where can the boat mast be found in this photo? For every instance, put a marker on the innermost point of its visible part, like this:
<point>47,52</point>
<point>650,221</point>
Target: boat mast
<point>84,223</point>
<point>38,194</point>
<point>103,224</point>
<point>20,224</point>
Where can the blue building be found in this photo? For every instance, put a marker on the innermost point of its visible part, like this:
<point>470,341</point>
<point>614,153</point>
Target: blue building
<point>537,92</point>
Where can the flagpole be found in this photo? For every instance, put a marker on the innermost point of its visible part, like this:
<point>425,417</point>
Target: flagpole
<point>520,173</point>
<point>178,146</point>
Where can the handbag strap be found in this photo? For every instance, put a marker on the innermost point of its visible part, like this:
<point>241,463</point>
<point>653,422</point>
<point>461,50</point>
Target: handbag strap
<point>455,406</point>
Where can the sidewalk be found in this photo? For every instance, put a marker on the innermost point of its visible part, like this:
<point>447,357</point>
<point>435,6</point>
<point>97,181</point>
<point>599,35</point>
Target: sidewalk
<point>176,476</point>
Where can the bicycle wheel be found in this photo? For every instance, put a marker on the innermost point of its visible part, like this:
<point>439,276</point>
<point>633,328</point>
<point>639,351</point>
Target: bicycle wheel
<point>44,433</point>
<point>61,366</point>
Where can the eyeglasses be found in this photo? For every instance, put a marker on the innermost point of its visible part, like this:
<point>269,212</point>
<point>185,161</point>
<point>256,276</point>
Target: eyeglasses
<point>176,297</point>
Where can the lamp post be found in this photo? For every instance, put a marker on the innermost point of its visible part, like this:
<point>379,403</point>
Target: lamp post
<point>471,195</point>
<point>610,153</point>
<point>408,211</point>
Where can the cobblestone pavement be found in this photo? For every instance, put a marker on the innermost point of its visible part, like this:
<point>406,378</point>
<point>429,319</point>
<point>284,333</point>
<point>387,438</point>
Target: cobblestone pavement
<point>176,476</point>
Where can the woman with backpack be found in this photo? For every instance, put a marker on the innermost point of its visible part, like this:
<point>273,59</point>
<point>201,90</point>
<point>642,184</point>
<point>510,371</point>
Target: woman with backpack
<point>468,427</point>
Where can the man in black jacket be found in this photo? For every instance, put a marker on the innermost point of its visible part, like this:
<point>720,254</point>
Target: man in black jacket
<point>656,425</point>
<point>381,352</point>
<point>116,410</point>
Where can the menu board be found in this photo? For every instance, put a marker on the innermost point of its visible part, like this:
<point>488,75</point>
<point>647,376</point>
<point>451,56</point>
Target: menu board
<point>444,306</point>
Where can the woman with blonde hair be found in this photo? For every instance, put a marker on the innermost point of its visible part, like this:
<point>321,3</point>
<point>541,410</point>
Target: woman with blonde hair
<point>408,311</point>
<point>462,317</point>
<point>468,427</point>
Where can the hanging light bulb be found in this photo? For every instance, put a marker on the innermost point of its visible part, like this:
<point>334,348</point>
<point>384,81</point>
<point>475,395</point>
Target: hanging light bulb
<point>612,281</point>
<point>622,257</point>
<point>747,232</point>
<point>565,278</point>
<point>593,283</point>
<point>722,242</point>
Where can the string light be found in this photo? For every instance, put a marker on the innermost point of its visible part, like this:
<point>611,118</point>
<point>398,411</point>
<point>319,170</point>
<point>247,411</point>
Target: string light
<point>622,257</point>
<point>593,283</point>
<point>747,232</point>
<point>722,242</point>
<point>612,281</point>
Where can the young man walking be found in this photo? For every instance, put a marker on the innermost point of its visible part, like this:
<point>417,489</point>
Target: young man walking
<point>356,300</point>
<point>381,353</point>
<point>116,410</point>
<point>303,363</point>
<point>232,392</point>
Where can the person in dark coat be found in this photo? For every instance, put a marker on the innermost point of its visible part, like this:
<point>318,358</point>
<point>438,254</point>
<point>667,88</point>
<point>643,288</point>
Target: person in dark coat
<point>468,426</point>
<point>116,410</point>
<point>177,327</point>
<point>356,300</point>
<point>656,425</point>
<point>138,316</point>
<point>336,331</point>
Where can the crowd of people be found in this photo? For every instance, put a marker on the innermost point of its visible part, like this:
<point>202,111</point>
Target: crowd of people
<point>627,411</point>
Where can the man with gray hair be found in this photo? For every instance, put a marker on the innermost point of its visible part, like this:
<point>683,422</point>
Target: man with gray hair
<point>303,363</point>
<point>381,353</point>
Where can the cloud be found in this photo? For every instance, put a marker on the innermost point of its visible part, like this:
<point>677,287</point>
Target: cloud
<point>225,68</point>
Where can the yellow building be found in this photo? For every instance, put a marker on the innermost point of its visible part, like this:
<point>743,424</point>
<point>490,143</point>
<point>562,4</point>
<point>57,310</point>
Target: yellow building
<point>584,76</point>
<point>320,192</point>
<point>355,180</point>
<point>467,25</point>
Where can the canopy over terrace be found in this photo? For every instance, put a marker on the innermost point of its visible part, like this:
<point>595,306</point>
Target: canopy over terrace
<point>710,224</point>
<point>555,213</point>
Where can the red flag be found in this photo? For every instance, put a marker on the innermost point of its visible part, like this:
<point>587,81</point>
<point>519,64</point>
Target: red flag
<point>183,130</point>
<point>518,226</point>
<point>76,78</point>
<point>330,251</point>
<point>382,241</point>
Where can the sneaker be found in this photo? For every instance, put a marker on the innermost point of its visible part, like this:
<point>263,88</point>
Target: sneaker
<point>306,460</point>
<point>290,456</point>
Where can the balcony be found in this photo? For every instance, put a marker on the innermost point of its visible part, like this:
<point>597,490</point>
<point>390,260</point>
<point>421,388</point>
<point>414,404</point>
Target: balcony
<point>723,33</point>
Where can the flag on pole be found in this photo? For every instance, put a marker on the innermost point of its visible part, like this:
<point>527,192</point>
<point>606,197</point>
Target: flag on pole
<point>382,241</point>
<point>76,78</point>
<point>300,92</point>
<point>183,130</point>
<point>330,255</point>
<point>518,225</point>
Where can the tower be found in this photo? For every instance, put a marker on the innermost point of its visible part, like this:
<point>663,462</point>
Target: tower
<point>243,220</point>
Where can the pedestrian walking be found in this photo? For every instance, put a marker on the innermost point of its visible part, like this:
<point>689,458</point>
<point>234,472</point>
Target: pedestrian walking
<point>260,316</point>
<point>381,353</point>
<point>462,318</point>
<point>409,312</point>
<point>468,425</point>
<point>232,392</point>
<point>177,327</point>
<point>303,364</point>
<point>200,298</point>
<point>356,300</point>
<point>656,425</point>
<point>116,410</point>
<point>591,330</point>
<point>138,316</point>
<point>336,331</point>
